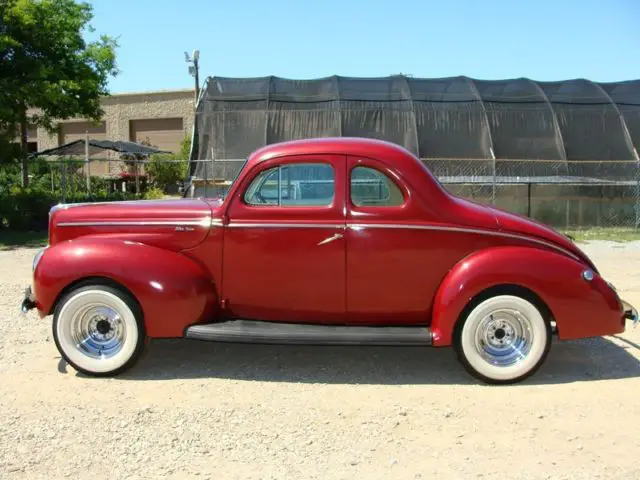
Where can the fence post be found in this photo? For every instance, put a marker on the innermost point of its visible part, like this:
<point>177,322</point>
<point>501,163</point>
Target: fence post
<point>493,186</point>
<point>637,195</point>
<point>137,176</point>
<point>63,180</point>
<point>86,157</point>
<point>206,180</point>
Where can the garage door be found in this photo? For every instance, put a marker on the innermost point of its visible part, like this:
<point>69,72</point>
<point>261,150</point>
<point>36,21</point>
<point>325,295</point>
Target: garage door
<point>162,133</point>
<point>76,131</point>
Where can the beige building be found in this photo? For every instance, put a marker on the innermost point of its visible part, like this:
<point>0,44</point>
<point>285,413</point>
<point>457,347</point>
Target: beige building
<point>161,118</point>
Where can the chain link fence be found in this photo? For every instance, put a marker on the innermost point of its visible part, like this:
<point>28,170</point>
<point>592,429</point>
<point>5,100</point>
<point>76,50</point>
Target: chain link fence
<point>566,194</point>
<point>69,179</point>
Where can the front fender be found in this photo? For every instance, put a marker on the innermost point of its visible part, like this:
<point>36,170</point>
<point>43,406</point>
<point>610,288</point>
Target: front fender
<point>173,290</point>
<point>580,308</point>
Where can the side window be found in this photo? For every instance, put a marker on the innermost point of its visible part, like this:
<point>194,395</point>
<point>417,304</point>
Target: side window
<point>370,187</point>
<point>293,185</point>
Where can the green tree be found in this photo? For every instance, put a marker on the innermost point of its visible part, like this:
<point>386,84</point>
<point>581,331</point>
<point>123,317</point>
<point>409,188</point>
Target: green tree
<point>47,66</point>
<point>165,170</point>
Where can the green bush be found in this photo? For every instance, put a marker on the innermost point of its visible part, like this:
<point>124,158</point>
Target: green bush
<point>154,194</point>
<point>9,177</point>
<point>166,171</point>
<point>25,209</point>
<point>45,176</point>
<point>28,209</point>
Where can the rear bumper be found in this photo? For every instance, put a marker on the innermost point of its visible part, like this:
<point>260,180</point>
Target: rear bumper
<point>29,301</point>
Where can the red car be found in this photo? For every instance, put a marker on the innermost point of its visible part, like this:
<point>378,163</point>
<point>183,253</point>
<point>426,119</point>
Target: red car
<point>322,241</point>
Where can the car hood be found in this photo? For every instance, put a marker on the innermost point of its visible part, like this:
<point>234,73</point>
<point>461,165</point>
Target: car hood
<point>169,209</point>
<point>173,224</point>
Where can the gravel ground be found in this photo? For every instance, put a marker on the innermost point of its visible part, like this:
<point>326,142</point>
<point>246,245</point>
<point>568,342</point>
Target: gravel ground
<point>195,409</point>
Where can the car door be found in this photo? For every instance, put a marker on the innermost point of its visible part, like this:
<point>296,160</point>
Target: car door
<point>391,271</point>
<point>284,248</point>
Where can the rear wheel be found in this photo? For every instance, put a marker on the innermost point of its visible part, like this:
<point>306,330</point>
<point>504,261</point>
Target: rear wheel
<point>503,339</point>
<point>98,330</point>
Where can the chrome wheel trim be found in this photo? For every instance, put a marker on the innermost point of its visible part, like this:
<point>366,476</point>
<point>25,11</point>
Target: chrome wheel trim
<point>529,329</point>
<point>504,337</point>
<point>85,339</point>
<point>98,331</point>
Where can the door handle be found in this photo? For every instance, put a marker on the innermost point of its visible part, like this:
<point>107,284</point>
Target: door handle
<point>330,239</point>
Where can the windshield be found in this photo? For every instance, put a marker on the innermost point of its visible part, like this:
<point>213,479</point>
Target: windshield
<point>209,185</point>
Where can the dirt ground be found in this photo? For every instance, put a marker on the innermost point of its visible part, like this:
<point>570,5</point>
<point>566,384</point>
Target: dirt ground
<point>195,409</point>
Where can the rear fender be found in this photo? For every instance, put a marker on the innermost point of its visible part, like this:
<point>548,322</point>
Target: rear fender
<point>173,290</point>
<point>580,308</point>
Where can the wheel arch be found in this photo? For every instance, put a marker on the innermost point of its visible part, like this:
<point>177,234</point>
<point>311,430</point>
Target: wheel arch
<point>514,289</point>
<point>94,280</point>
<point>578,308</point>
<point>171,289</point>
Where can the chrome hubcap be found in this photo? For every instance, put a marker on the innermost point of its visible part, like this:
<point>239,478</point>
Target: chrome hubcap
<point>504,337</point>
<point>98,331</point>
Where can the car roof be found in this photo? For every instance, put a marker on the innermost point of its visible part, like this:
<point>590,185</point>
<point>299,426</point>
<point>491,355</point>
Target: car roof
<point>356,146</point>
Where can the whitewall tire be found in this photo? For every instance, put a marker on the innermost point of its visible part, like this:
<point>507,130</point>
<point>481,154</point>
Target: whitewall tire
<point>98,330</point>
<point>503,339</point>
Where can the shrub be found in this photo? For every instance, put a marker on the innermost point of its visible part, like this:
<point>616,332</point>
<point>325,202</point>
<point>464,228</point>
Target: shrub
<point>28,209</point>
<point>9,177</point>
<point>165,171</point>
<point>25,209</point>
<point>154,194</point>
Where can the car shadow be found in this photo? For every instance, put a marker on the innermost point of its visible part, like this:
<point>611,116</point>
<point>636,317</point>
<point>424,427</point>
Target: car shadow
<point>569,361</point>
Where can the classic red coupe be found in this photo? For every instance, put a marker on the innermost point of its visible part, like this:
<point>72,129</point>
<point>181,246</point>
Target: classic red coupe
<point>321,241</point>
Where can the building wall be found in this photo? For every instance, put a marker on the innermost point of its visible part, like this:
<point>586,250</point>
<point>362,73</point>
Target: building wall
<point>121,109</point>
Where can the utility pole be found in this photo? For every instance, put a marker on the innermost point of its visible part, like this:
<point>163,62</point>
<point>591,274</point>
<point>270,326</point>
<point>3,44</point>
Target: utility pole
<point>194,70</point>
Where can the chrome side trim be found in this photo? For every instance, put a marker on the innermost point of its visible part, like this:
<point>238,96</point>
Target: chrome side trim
<point>359,226</point>
<point>205,222</point>
<point>287,225</point>
<point>66,206</point>
<point>494,233</point>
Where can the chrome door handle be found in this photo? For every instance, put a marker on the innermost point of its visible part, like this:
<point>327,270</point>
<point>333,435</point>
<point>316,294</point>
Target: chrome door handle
<point>330,239</point>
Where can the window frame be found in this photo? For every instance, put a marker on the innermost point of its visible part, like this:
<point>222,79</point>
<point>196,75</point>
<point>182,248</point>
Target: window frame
<point>386,173</point>
<point>279,166</point>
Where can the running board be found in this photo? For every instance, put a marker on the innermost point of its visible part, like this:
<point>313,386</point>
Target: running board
<point>250,331</point>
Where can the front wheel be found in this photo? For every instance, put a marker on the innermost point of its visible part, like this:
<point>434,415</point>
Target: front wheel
<point>503,339</point>
<point>98,330</point>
